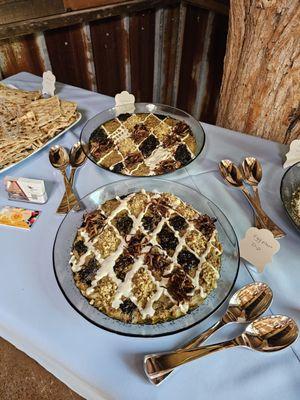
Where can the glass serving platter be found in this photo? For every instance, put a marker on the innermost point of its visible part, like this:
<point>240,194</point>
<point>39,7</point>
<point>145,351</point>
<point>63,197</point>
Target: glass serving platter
<point>154,108</point>
<point>289,183</point>
<point>72,221</point>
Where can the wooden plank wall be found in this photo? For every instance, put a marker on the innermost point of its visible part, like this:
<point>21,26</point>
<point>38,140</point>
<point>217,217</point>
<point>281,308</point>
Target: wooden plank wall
<point>173,55</point>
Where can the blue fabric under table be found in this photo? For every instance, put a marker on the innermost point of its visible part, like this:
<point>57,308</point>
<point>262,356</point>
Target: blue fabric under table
<point>36,318</point>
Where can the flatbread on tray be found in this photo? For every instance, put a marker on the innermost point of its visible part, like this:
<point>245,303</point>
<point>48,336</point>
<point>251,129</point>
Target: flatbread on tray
<point>45,110</point>
<point>28,122</point>
<point>18,96</point>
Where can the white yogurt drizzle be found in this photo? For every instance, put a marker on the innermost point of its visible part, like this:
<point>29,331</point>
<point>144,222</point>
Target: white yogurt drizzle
<point>120,134</point>
<point>125,288</point>
<point>159,154</point>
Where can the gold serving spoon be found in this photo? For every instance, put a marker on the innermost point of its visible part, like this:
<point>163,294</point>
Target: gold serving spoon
<point>77,158</point>
<point>252,171</point>
<point>266,334</point>
<point>247,304</point>
<point>59,159</point>
<point>233,176</point>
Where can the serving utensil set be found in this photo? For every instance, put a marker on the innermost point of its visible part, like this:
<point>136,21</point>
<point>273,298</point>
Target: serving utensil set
<point>61,159</point>
<point>265,334</point>
<point>249,172</point>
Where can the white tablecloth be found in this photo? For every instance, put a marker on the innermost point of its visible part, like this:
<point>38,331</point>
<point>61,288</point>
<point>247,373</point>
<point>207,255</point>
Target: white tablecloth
<point>36,318</point>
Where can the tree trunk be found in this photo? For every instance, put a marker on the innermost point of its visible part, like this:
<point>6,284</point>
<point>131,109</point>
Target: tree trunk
<point>260,91</point>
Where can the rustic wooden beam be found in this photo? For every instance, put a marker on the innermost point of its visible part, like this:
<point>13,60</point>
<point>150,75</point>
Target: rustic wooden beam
<point>68,55</point>
<point>260,91</point>
<point>215,58</point>
<point>21,54</point>
<point>110,50</point>
<point>220,7</point>
<point>142,30</point>
<point>13,11</point>
<point>83,4</point>
<point>75,17</point>
<point>170,46</point>
<point>196,22</point>
<point>178,58</point>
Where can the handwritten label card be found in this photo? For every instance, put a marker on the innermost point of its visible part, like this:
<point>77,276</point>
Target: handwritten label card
<point>125,102</point>
<point>48,83</point>
<point>258,247</point>
<point>293,156</point>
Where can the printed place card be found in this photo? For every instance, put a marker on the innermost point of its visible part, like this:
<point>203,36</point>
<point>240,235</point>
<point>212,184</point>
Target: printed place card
<point>125,102</point>
<point>48,83</point>
<point>18,217</point>
<point>258,247</point>
<point>293,155</point>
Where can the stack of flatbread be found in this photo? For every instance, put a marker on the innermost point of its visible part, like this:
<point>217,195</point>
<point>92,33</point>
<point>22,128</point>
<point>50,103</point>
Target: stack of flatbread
<point>27,122</point>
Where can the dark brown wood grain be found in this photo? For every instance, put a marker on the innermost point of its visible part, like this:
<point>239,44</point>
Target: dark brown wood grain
<point>76,17</point>
<point>260,85</point>
<point>172,54</point>
<point>141,44</point>
<point>216,53</point>
<point>13,11</point>
<point>169,53</point>
<point>192,54</point>
<point>82,4</point>
<point>219,6</point>
<point>110,50</point>
<point>68,55</point>
<point>20,54</point>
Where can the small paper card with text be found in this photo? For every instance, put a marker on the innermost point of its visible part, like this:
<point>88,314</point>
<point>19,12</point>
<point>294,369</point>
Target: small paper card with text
<point>293,155</point>
<point>18,217</point>
<point>48,83</point>
<point>258,247</point>
<point>125,102</point>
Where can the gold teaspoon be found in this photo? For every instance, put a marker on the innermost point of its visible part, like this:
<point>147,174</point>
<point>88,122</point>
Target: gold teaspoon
<point>233,176</point>
<point>77,158</point>
<point>252,171</point>
<point>59,159</point>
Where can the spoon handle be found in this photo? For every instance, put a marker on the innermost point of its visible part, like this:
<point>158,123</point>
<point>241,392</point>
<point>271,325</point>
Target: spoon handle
<point>69,199</point>
<point>72,174</point>
<point>64,200</point>
<point>156,365</point>
<point>257,198</point>
<point>68,186</point>
<point>256,194</point>
<point>195,342</point>
<point>263,217</point>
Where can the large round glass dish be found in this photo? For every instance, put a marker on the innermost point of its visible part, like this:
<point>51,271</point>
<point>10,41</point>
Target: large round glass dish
<point>289,184</point>
<point>161,109</point>
<point>72,221</point>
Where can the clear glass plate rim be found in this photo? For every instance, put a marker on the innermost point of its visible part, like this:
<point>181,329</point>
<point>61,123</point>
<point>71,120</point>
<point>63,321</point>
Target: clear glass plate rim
<point>87,153</point>
<point>154,335</point>
<point>284,176</point>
